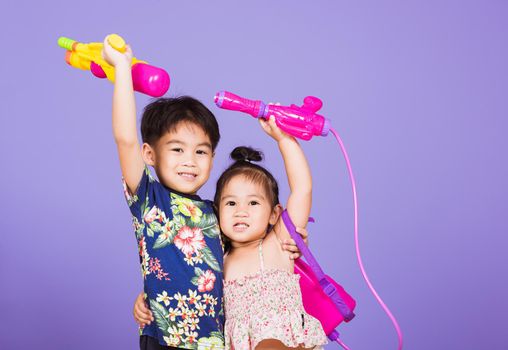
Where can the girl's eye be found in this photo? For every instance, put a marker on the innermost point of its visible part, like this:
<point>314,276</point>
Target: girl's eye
<point>253,203</point>
<point>230,203</point>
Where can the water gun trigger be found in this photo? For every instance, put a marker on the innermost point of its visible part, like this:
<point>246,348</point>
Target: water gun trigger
<point>97,70</point>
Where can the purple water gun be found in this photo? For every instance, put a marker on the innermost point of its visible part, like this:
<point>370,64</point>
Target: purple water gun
<point>302,122</point>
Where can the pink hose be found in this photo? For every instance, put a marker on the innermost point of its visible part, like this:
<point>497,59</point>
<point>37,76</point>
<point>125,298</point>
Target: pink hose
<point>357,245</point>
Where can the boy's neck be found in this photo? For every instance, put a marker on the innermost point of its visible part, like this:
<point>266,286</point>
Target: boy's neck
<point>193,195</point>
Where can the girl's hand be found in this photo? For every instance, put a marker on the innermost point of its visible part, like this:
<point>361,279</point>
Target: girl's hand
<point>115,57</point>
<point>271,128</point>
<point>141,312</point>
<point>290,244</point>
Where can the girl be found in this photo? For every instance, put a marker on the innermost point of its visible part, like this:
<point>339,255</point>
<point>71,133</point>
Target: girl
<point>262,299</point>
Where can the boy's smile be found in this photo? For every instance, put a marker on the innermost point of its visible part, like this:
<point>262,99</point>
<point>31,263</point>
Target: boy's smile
<point>188,176</point>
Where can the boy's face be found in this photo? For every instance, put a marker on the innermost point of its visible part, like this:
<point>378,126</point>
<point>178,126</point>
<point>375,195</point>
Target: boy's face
<point>183,158</point>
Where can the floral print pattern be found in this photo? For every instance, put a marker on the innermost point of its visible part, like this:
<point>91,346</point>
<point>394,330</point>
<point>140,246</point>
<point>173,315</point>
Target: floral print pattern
<point>155,267</point>
<point>180,254</point>
<point>188,208</point>
<point>268,305</point>
<point>189,240</point>
<point>205,280</point>
<point>181,317</point>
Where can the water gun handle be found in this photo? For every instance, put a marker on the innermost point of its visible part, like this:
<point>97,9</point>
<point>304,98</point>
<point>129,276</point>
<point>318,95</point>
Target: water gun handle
<point>297,122</point>
<point>117,42</point>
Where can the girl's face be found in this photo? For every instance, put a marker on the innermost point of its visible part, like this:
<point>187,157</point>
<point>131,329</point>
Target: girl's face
<point>245,211</point>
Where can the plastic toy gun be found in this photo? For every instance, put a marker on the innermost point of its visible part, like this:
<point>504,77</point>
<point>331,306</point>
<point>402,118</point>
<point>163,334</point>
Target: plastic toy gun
<point>302,122</point>
<point>146,79</point>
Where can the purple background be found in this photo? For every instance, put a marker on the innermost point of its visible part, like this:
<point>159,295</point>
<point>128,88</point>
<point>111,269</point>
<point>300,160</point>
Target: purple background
<point>417,89</point>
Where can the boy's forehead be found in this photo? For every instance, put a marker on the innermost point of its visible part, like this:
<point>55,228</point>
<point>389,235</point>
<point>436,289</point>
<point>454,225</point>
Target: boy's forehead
<point>187,126</point>
<point>187,132</point>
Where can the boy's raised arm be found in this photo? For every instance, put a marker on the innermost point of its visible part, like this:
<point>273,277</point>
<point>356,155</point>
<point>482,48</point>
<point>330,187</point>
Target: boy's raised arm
<point>124,117</point>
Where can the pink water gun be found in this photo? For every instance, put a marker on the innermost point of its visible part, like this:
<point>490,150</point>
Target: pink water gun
<point>147,79</point>
<point>302,122</point>
<point>322,297</point>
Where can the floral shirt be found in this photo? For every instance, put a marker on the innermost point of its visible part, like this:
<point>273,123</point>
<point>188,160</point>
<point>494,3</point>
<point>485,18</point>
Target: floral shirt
<point>181,258</point>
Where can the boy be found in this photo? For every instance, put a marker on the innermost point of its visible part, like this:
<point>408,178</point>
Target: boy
<point>177,232</point>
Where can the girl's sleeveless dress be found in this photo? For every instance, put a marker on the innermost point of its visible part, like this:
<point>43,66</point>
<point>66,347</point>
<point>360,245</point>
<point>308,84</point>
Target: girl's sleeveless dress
<point>268,305</point>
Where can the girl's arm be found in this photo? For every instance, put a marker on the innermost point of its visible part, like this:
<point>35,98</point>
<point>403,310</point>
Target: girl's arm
<point>298,173</point>
<point>142,314</point>
<point>124,117</point>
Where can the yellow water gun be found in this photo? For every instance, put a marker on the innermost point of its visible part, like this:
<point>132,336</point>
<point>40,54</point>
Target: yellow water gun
<point>147,79</point>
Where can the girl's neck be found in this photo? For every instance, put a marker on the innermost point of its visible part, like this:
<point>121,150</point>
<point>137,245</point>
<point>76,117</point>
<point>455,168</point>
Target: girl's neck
<point>239,246</point>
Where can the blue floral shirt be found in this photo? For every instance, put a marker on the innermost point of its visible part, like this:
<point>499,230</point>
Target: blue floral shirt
<point>181,258</point>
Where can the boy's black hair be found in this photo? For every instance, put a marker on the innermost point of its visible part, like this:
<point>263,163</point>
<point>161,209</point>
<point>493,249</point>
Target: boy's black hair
<point>164,114</point>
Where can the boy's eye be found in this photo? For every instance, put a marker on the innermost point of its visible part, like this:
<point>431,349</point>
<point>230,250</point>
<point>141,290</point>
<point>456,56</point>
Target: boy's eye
<point>201,151</point>
<point>178,150</point>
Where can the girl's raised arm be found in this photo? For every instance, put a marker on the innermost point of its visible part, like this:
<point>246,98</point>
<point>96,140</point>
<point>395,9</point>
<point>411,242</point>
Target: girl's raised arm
<point>298,173</point>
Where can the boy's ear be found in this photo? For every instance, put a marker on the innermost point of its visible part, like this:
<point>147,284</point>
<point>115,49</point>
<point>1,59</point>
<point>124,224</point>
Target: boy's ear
<point>148,154</point>
<point>274,216</point>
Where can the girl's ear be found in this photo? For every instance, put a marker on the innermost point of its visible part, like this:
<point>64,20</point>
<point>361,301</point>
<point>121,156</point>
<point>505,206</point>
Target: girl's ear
<point>148,154</point>
<point>274,216</point>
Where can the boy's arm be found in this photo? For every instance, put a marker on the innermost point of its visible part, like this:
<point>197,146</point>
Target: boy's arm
<point>124,117</point>
<point>298,173</point>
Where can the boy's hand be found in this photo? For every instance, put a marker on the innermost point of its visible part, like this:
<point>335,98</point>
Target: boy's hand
<point>141,312</point>
<point>290,244</point>
<point>271,128</point>
<point>115,57</point>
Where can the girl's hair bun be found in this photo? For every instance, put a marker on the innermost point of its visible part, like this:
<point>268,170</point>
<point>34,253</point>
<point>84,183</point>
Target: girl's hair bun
<point>246,154</point>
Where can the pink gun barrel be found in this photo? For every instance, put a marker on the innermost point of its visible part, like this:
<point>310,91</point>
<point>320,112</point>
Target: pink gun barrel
<point>147,79</point>
<point>302,122</point>
<point>150,80</point>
